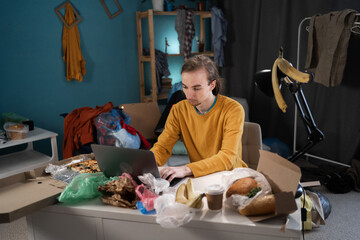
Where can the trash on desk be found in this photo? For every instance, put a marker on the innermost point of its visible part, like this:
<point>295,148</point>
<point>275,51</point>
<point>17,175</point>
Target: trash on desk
<point>120,192</point>
<point>171,214</point>
<point>83,187</point>
<point>143,210</point>
<point>146,196</point>
<point>61,172</point>
<point>157,185</point>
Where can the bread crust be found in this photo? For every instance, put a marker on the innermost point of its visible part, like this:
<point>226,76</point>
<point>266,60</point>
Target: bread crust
<point>261,205</point>
<point>242,186</point>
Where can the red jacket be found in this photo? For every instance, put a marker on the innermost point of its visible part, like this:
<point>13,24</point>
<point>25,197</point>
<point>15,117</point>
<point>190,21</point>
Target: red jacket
<point>79,127</point>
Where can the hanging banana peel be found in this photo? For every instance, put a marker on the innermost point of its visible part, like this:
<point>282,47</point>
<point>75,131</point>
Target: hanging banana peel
<point>185,194</point>
<point>286,68</point>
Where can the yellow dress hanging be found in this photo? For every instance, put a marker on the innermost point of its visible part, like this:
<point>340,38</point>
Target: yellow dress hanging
<point>75,64</point>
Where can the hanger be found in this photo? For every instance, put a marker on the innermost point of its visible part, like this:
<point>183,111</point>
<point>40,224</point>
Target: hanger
<point>356,28</point>
<point>77,16</point>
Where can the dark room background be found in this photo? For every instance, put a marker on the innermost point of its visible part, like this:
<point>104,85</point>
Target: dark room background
<point>256,31</point>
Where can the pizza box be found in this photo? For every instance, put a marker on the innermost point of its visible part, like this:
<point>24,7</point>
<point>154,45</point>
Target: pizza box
<point>27,192</point>
<point>284,178</point>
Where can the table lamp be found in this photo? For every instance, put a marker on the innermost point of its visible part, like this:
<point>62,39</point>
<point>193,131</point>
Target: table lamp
<point>284,74</point>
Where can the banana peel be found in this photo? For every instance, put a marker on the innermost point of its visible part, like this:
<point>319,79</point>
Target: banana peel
<point>185,194</point>
<point>286,68</point>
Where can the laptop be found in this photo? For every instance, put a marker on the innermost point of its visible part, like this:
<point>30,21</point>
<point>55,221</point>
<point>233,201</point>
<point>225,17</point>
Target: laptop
<point>114,161</point>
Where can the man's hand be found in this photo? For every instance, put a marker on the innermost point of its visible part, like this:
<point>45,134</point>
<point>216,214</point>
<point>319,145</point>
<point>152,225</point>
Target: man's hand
<point>169,173</point>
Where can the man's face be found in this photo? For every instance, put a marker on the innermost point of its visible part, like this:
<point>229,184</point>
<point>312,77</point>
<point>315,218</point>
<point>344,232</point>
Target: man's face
<point>196,86</point>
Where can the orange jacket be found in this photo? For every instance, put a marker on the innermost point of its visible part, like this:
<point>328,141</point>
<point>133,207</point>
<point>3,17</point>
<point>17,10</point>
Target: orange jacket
<point>79,127</point>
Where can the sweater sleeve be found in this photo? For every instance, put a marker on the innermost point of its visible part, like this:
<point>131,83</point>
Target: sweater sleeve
<point>162,149</point>
<point>229,155</point>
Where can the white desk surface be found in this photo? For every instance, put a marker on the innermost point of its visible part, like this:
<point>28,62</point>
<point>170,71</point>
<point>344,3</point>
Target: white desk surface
<point>228,220</point>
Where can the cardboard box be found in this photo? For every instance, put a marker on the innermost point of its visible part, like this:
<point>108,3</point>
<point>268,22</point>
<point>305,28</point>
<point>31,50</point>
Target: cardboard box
<point>284,178</point>
<point>144,117</point>
<point>27,192</point>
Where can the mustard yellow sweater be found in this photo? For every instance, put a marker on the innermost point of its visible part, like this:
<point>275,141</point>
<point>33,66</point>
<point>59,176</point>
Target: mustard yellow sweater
<point>213,140</point>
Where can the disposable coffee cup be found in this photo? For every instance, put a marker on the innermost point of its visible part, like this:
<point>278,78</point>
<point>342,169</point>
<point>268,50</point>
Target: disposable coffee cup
<point>214,196</point>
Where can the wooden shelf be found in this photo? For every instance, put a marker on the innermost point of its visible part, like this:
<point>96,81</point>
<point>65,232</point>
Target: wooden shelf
<point>207,53</point>
<point>151,58</point>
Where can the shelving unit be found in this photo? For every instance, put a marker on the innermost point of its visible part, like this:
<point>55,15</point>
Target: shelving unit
<point>151,58</point>
<point>28,159</point>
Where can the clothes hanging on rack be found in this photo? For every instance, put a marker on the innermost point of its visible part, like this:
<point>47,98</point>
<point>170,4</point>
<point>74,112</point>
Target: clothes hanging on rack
<point>162,67</point>
<point>185,28</point>
<point>328,42</point>
<point>218,30</point>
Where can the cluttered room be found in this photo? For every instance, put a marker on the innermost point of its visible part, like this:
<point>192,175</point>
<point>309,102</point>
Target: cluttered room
<point>181,119</point>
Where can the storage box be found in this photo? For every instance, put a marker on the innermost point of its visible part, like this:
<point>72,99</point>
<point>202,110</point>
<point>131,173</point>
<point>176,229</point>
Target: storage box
<point>284,178</point>
<point>27,192</point>
<point>16,131</point>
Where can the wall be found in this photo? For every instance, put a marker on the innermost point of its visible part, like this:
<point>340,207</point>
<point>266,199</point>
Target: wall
<point>32,72</point>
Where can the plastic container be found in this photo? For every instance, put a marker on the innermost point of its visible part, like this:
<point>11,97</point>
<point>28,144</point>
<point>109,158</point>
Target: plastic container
<point>16,131</point>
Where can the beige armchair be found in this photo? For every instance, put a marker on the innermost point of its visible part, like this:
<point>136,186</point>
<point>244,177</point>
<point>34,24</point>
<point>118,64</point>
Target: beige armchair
<point>251,142</point>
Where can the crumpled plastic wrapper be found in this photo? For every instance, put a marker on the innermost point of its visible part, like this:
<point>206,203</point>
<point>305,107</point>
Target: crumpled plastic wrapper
<point>170,214</point>
<point>156,185</point>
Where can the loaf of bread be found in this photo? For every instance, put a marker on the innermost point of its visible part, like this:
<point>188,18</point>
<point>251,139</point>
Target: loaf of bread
<point>261,205</point>
<point>242,186</point>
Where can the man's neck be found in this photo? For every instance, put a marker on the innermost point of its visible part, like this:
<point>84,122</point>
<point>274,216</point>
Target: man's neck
<point>204,107</point>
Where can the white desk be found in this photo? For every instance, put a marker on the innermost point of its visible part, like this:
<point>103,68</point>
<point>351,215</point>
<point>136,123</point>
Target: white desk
<point>93,220</point>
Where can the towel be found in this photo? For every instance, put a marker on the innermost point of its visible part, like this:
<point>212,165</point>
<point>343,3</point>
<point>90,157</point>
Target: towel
<point>75,64</point>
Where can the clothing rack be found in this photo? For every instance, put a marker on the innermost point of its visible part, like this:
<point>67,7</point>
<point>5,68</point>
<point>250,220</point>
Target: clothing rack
<point>300,27</point>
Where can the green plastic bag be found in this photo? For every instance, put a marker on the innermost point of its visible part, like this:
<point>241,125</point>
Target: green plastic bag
<point>12,117</point>
<point>84,187</point>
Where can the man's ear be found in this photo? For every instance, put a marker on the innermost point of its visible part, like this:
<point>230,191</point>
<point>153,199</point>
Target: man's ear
<point>213,85</point>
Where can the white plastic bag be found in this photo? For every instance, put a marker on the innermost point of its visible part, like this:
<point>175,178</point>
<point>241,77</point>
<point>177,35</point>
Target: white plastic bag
<point>170,214</point>
<point>157,185</point>
<point>240,201</point>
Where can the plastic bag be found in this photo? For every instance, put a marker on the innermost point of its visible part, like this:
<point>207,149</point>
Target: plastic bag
<point>61,172</point>
<point>171,214</point>
<point>146,196</point>
<point>240,201</point>
<point>110,132</point>
<point>157,185</point>
<point>142,209</point>
<point>83,187</point>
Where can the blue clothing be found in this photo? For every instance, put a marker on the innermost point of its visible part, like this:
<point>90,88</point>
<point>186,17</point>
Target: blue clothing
<point>218,30</point>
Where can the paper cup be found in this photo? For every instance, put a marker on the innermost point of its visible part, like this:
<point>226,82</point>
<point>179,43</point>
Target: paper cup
<point>214,196</point>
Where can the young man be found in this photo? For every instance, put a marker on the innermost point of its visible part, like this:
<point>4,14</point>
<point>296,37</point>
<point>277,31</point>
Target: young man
<point>210,125</point>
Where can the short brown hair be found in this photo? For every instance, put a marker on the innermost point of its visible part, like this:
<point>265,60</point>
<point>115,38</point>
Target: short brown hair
<point>201,61</point>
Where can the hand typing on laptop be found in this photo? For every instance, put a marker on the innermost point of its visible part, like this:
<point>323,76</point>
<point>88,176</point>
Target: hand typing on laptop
<point>169,173</point>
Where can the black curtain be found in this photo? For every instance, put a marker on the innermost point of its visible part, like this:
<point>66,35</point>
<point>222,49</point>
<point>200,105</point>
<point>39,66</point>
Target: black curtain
<point>256,31</point>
